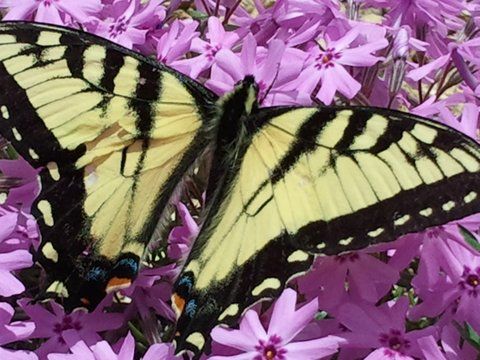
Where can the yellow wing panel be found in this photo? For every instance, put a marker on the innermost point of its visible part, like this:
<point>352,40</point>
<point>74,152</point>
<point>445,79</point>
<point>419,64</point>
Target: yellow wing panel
<point>117,131</point>
<point>331,185</point>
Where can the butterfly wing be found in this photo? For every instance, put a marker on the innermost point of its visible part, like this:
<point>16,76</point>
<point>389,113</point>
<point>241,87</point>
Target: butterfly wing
<point>318,181</point>
<point>113,132</point>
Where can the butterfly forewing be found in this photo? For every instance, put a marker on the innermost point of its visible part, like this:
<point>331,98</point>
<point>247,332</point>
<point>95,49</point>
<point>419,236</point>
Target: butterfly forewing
<point>320,181</point>
<point>114,132</point>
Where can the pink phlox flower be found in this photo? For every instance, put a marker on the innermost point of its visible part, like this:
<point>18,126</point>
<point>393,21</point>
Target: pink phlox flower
<point>24,193</point>
<point>52,324</point>
<point>381,328</point>
<point>466,123</point>
<point>14,331</point>
<point>448,278</point>
<point>127,22</point>
<point>326,65</point>
<point>294,22</point>
<point>276,343</point>
<point>367,277</point>
<point>468,50</point>
<point>218,39</point>
<point>174,42</point>
<point>50,11</point>
<point>272,67</point>
<point>101,350</point>
<point>181,237</point>
<point>17,235</point>
<point>164,351</point>
<point>151,290</point>
<point>452,347</point>
<point>441,16</point>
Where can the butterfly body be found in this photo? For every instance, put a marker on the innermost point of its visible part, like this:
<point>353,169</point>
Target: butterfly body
<point>114,134</point>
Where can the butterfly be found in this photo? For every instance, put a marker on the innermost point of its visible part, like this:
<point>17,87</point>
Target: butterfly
<point>115,133</point>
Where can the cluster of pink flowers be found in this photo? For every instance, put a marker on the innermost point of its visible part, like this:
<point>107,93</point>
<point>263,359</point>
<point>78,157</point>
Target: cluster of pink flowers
<point>417,297</point>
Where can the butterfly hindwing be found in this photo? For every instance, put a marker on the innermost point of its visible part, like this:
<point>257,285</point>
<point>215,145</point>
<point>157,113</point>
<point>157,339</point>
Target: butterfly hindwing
<point>318,181</point>
<point>114,133</point>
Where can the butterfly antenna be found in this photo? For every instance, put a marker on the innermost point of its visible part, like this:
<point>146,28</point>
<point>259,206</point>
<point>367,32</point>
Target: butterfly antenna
<point>271,85</point>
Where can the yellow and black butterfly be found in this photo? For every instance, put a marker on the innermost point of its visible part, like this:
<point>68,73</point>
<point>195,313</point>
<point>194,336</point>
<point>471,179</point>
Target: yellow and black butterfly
<point>115,133</point>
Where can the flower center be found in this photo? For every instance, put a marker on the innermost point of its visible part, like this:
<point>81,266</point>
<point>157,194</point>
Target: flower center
<point>119,27</point>
<point>395,341</point>
<point>270,349</point>
<point>48,2</point>
<point>211,51</point>
<point>66,324</point>
<point>470,281</point>
<point>327,59</point>
<point>473,280</point>
<point>347,257</point>
<point>270,352</point>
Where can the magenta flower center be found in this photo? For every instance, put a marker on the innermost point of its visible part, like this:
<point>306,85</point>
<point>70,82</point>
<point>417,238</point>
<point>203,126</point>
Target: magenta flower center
<point>347,257</point>
<point>270,349</point>
<point>211,51</point>
<point>119,27</point>
<point>66,324</point>
<point>395,341</point>
<point>48,2</point>
<point>327,59</point>
<point>470,281</point>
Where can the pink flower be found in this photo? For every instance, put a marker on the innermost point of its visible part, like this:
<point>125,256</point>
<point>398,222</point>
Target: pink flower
<point>50,11</point>
<point>181,237</point>
<point>276,343</point>
<point>128,21</point>
<point>381,328</point>
<point>174,42</point>
<point>367,277</point>
<point>272,68</point>
<point>448,277</point>
<point>53,324</point>
<point>326,65</point>
<point>151,290</point>
<point>218,39</point>
<point>101,350</point>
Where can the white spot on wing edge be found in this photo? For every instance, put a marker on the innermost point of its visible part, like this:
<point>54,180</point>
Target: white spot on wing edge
<point>33,154</point>
<point>426,212</point>
<point>449,205</point>
<point>3,197</point>
<point>46,210</point>
<point>49,252</point>
<point>196,339</point>
<point>401,220</point>
<point>232,310</point>
<point>270,283</point>
<point>472,195</point>
<point>298,255</point>
<point>16,134</point>
<point>375,233</point>
<point>59,288</point>
<point>53,170</point>
<point>345,242</point>
<point>4,112</point>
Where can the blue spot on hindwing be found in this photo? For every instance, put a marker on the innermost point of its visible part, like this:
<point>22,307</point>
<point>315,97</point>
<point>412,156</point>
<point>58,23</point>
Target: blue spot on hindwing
<point>191,308</point>
<point>96,274</point>
<point>186,281</point>
<point>128,262</point>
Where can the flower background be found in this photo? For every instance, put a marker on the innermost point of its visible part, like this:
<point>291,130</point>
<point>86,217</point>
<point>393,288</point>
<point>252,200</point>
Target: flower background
<point>417,297</point>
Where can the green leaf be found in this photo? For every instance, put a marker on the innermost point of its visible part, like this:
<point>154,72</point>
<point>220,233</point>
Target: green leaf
<point>197,15</point>
<point>469,334</point>
<point>469,238</point>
